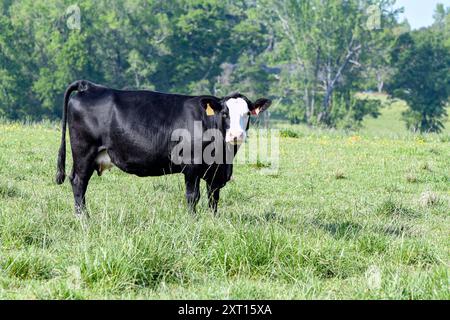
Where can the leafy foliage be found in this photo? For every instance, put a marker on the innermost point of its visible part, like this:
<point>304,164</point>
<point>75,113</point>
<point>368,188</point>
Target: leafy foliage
<point>422,80</point>
<point>310,56</point>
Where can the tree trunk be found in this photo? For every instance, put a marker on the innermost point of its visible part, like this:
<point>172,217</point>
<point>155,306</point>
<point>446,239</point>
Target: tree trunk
<point>330,85</point>
<point>380,82</point>
<point>306,100</point>
<point>313,93</point>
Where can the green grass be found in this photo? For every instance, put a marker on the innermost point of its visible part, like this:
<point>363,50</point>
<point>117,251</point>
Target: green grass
<point>343,210</point>
<point>391,124</point>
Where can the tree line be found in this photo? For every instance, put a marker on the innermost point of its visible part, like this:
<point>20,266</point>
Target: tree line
<point>312,57</point>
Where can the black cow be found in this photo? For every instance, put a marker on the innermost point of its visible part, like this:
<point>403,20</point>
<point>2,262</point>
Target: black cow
<point>134,130</point>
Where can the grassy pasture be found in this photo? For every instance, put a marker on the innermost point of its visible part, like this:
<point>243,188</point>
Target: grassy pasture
<point>347,216</point>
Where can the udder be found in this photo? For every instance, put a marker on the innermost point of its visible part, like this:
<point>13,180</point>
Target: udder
<point>103,162</point>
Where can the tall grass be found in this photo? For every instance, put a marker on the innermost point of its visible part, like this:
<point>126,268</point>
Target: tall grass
<point>303,233</point>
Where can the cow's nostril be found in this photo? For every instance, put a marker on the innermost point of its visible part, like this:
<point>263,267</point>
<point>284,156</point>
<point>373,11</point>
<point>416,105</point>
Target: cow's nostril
<point>237,134</point>
<point>235,137</point>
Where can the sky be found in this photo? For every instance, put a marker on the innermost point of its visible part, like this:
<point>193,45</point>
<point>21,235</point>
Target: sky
<point>420,12</point>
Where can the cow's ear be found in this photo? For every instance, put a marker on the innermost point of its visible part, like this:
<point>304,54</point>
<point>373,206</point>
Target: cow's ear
<point>211,106</point>
<point>260,105</point>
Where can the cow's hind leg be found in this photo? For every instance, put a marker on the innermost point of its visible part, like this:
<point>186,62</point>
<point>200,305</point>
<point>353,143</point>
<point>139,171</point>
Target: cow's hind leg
<point>83,167</point>
<point>192,191</point>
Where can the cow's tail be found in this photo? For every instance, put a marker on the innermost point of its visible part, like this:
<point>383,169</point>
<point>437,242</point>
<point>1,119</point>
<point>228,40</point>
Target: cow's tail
<point>61,174</point>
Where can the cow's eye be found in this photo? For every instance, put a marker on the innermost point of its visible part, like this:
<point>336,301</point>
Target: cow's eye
<point>225,115</point>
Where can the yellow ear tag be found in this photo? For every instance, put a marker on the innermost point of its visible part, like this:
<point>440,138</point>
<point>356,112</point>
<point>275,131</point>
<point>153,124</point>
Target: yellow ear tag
<point>209,110</point>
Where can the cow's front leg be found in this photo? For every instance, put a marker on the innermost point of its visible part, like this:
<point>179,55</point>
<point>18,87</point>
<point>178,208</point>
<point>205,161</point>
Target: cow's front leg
<point>213,197</point>
<point>192,191</point>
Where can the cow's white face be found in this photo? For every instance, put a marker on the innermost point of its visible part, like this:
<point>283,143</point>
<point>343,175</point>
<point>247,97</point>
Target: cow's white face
<point>239,116</point>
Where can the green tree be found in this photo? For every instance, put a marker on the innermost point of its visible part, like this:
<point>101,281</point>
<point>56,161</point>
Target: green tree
<point>422,79</point>
<point>325,47</point>
<point>17,68</point>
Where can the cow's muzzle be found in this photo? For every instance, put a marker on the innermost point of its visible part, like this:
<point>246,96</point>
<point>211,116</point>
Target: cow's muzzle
<point>235,137</point>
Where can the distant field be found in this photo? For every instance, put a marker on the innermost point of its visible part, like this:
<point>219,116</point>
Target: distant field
<point>347,216</point>
<point>390,122</point>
